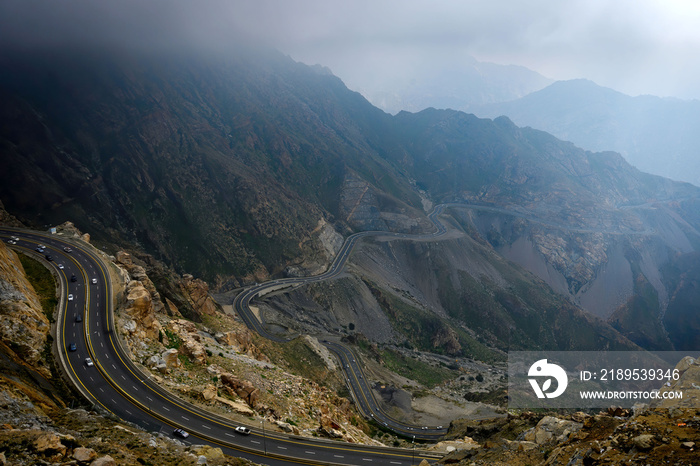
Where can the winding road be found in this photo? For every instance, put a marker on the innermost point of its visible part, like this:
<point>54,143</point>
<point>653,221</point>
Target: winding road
<point>355,378</point>
<point>114,385</point>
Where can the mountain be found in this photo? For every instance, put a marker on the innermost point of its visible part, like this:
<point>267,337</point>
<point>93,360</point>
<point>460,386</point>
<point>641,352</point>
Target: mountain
<point>225,166</point>
<point>460,84</point>
<point>656,135</point>
<point>241,167</point>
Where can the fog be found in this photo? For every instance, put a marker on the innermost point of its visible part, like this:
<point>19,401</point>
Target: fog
<point>636,47</point>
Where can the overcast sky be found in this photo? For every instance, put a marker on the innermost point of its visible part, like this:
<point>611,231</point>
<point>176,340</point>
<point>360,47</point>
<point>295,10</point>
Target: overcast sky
<point>634,46</point>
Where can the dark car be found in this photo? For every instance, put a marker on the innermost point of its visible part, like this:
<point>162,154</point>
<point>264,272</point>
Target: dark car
<point>73,278</point>
<point>49,257</point>
<point>72,347</point>
<point>180,433</point>
<point>78,318</point>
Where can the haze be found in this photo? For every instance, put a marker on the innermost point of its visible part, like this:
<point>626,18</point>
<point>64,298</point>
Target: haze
<point>636,47</point>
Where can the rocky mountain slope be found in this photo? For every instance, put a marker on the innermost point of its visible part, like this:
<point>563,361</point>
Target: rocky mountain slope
<point>236,168</point>
<point>44,421</point>
<point>658,434</point>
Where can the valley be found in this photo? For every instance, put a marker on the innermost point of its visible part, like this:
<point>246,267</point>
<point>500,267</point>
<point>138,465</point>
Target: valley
<point>287,257</point>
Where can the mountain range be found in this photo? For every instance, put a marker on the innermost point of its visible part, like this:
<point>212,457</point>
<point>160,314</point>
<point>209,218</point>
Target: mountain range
<point>656,135</point>
<point>240,167</point>
<point>463,83</point>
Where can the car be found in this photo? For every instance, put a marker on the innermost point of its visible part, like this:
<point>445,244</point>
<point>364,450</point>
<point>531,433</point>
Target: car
<point>242,430</point>
<point>78,318</point>
<point>70,297</point>
<point>94,281</point>
<point>11,241</point>
<point>73,278</point>
<point>72,347</point>
<point>180,433</point>
<point>49,257</point>
<point>39,249</point>
<point>14,238</point>
<point>67,249</point>
<point>88,362</point>
<point>60,266</point>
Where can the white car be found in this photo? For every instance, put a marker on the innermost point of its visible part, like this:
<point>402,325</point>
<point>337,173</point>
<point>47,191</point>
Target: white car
<point>60,266</point>
<point>88,362</point>
<point>243,430</point>
<point>70,297</point>
<point>94,281</point>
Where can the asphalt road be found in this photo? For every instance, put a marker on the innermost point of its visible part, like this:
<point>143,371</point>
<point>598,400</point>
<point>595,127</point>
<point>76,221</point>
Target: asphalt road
<point>113,384</point>
<point>357,382</point>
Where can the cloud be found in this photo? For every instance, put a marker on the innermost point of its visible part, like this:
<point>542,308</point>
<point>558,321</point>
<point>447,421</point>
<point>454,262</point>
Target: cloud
<point>632,45</point>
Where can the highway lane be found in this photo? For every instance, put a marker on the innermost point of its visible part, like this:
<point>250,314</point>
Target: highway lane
<point>115,385</point>
<point>357,382</point>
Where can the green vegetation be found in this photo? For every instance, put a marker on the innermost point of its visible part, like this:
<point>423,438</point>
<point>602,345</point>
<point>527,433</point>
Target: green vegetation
<point>414,369</point>
<point>174,341</point>
<point>426,331</point>
<point>43,282</point>
<point>300,359</point>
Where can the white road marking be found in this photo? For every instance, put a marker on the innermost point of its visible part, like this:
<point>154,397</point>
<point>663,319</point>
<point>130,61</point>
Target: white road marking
<point>206,427</point>
<point>185,418</point>
<point>165,408</point>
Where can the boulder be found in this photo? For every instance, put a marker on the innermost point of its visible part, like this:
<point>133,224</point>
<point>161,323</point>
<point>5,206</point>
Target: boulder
<point>551,428</point>
<point>209,392</point>
<point>84,455</point>
<point>104,461</point>
<point>49,443</point>
<point>643,442</point>
<point>243,388</point>
<point>170,358</point>
<point>685,363</point>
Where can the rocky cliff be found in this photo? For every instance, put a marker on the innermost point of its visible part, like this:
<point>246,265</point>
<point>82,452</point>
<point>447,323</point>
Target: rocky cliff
<point>24,326</point>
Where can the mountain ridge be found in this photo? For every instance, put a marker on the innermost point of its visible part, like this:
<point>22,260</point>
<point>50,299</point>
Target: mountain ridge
<point>232,168</point>
<point>652,133</point>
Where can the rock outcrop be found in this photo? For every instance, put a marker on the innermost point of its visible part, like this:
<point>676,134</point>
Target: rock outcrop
<point>196,292</point>
<point>241,341</point>
<point>190,340</point>
<point>23,325</point>
<point>243,388</point>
